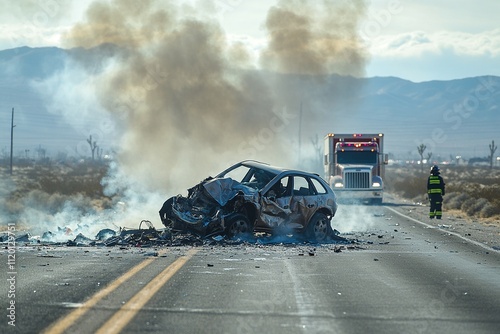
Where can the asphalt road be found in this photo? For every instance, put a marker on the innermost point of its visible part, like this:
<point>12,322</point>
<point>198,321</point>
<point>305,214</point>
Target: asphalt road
<point>400,276</point>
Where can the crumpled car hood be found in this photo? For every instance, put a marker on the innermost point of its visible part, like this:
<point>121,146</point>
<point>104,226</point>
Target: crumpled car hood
<point>224,189</point>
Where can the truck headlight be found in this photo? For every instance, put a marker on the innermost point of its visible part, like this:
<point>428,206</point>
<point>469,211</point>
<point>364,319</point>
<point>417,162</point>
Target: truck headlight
<point>338,185</point>
<point>376,184</point>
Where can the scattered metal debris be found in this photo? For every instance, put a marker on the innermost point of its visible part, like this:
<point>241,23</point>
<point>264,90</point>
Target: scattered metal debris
<point>148,236</point>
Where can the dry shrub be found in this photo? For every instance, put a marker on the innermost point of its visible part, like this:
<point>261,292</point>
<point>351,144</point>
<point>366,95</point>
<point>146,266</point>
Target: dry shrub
<point>83,179</point>
<point>491,192</point>
<point>466,206</point>
<point>71,185</point>
<point>473,206</point>
<point>474,190</point>
<point>409,187</point>
<point>455,200</point>
<point>54,203</point>
<point>51,203</point>
<point>489,210</point>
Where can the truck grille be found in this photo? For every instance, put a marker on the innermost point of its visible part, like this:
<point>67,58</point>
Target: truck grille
<point>357,180</point>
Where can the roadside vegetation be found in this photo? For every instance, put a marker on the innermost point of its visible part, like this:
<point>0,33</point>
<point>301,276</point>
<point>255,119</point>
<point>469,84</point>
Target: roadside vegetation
<point>472,190</point>
<point>83,178</point>
<point>52,187</point>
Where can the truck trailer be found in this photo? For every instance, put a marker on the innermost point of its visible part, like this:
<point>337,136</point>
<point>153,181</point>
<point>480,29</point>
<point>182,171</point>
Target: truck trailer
<point>355,166</point>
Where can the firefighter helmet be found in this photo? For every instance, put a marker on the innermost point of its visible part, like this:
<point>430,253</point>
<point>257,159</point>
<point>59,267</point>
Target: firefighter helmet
<point>435,169</point>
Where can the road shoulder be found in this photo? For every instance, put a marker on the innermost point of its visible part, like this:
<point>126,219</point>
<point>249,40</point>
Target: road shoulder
<point>485,231</point>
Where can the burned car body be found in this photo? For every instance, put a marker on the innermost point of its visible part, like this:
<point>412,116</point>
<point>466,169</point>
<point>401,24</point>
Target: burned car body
<point>254,197</point>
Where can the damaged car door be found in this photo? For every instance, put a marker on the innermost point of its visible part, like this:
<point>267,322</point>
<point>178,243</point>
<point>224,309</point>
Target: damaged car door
<point>304,201</point>
<point>290,202</point>
<point>275,204</point>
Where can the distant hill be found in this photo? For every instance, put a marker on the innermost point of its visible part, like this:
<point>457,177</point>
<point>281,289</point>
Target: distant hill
<point>455,117</point>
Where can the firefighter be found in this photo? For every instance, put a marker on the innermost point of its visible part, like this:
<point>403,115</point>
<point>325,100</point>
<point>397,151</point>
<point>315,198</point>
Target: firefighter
<point>435,192</point>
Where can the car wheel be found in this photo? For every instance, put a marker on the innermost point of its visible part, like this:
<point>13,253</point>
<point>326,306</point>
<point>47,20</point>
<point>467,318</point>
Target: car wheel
<point>237,225</point>
<point>319,228</point>
<point>169,220</point>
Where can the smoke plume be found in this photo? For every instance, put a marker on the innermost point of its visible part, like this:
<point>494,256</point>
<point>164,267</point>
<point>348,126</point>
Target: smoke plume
<point>315,38</point>
<point>186,105</point>
<point>190,103</point>
<point>185,102</point>
<point>310,45</point>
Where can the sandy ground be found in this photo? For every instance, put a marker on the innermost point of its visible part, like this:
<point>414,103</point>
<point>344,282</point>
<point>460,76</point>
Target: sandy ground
<point>485,231</point>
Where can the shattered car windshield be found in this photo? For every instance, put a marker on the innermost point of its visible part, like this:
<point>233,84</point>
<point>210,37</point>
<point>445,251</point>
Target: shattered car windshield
<point>258,178</point>
<point>249,176</point>
<point>237,174</point>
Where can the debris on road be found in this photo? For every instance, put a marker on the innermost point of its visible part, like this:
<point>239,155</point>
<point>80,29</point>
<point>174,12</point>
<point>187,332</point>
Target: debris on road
<point>146,235</point>
<point>154,254</point>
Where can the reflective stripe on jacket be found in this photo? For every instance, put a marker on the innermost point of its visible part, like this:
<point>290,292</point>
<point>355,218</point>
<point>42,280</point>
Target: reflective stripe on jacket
<point>435,185</point>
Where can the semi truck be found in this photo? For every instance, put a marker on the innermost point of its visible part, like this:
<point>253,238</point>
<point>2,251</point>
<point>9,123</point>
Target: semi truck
<point>355,166</point>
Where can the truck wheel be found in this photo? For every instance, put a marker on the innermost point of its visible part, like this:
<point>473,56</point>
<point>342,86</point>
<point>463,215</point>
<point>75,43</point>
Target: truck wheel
<point>319,228</point>
<point>238,225</point>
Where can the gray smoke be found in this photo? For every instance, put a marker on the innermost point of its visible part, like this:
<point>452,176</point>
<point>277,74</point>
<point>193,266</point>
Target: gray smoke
<point>316,38</point>
<point>191,104</point>
<point>186,103</point>
<point>310,45</point>
<point>186,107</point>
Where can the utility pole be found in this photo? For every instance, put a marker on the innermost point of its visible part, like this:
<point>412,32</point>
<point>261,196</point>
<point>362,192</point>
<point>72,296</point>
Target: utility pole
<point>11,140</point>
<point>300,133</point>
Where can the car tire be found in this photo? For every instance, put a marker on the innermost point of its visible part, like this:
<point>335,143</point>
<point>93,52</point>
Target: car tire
<point>319,228</point>
<point>170,221</point>
<point>238,225</point>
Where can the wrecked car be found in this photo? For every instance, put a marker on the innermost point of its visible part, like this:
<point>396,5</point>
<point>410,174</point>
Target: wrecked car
<point>253,197</point>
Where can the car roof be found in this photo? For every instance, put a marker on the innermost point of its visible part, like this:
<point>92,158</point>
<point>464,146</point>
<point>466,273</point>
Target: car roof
<point>263,166</point>
<point>273,169</point>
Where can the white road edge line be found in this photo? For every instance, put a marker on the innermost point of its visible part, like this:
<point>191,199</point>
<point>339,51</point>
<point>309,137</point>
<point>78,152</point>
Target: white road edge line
<point>477,243</point>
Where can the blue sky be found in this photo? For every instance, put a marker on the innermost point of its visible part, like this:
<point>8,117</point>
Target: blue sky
<point>415,40</point>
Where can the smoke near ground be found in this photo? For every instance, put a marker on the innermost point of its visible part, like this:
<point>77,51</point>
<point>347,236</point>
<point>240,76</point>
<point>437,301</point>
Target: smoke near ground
<point>355,218</point>
<point>184,102</point>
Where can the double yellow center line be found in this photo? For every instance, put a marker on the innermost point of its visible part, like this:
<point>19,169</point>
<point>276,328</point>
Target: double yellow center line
<point>127,312</point>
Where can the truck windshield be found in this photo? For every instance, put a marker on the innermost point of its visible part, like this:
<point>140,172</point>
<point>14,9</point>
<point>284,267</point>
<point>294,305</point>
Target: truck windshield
<point>357,157</point>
